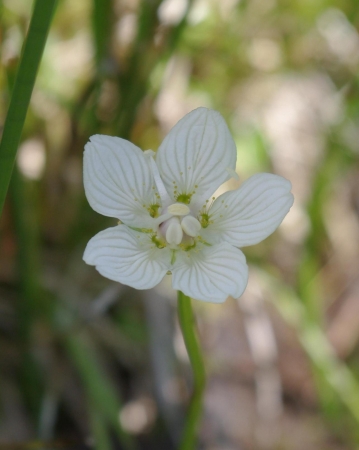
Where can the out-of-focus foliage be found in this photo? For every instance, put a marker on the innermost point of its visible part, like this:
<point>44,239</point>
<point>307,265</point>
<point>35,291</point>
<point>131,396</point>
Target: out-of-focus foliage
<point>86,362</point>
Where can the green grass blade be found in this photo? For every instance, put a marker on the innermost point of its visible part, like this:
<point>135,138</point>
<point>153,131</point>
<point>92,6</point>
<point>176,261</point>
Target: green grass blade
<point>332,371</point>
<point>101,20</point>
<point>98,389</point>
<point>100,433</point>
<point>21,94</point>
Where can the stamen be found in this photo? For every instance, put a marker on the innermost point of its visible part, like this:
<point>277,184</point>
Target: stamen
<point>232,173</point>
<point>165,198</point>
<point>178,209</point>
<point>190,226</point>
<point>196,205</point>
<point>174,234</point>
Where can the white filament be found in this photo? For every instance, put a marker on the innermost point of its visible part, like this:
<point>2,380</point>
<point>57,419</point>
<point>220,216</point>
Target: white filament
<point>165,198</point>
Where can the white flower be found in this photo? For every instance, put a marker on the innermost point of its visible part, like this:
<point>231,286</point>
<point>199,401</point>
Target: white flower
<point>167,222</point>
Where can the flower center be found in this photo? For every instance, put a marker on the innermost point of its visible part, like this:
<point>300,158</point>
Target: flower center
<point>181,228</point>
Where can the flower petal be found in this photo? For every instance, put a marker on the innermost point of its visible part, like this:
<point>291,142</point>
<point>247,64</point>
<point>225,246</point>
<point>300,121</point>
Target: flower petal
<point>251,213</point>
<point>194,157</point>
<point>128,257</point>
<point>118,181</point>
<point>211,274</point>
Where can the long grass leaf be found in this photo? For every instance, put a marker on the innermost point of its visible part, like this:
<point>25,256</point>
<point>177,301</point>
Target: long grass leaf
<point>101,19</point>
<point>21,94</point>
<point>100,432</point>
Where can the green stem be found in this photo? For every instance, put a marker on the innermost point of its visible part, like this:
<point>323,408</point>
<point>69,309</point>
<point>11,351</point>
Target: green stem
<point>186,320</point>
<point>21,94</point>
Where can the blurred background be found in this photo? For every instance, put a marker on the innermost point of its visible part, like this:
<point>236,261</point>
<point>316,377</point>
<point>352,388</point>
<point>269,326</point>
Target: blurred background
<point>89,364</point>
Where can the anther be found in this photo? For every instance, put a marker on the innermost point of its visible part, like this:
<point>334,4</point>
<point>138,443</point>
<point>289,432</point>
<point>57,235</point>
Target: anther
<point>178,209</point>
<point>190,226</point>
<point>174,234</point>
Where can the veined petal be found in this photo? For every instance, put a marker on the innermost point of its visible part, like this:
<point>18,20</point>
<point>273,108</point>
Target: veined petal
<point>211,274</point>
<point>128,257</point>
<point>249,214</point>
<point>194,157</point>
<point>118,181</point>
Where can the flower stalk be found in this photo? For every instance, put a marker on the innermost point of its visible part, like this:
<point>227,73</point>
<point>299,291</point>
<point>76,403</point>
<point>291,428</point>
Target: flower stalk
<point>186,320</point>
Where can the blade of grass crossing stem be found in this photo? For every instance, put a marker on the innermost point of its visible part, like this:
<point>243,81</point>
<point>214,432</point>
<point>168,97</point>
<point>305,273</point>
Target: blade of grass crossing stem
<point>99,391</point>
<point>186,320</point>
<point>21,93</point>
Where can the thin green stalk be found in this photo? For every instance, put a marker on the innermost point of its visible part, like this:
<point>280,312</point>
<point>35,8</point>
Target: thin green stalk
<point>186,320</point>
<point>21,94</point>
